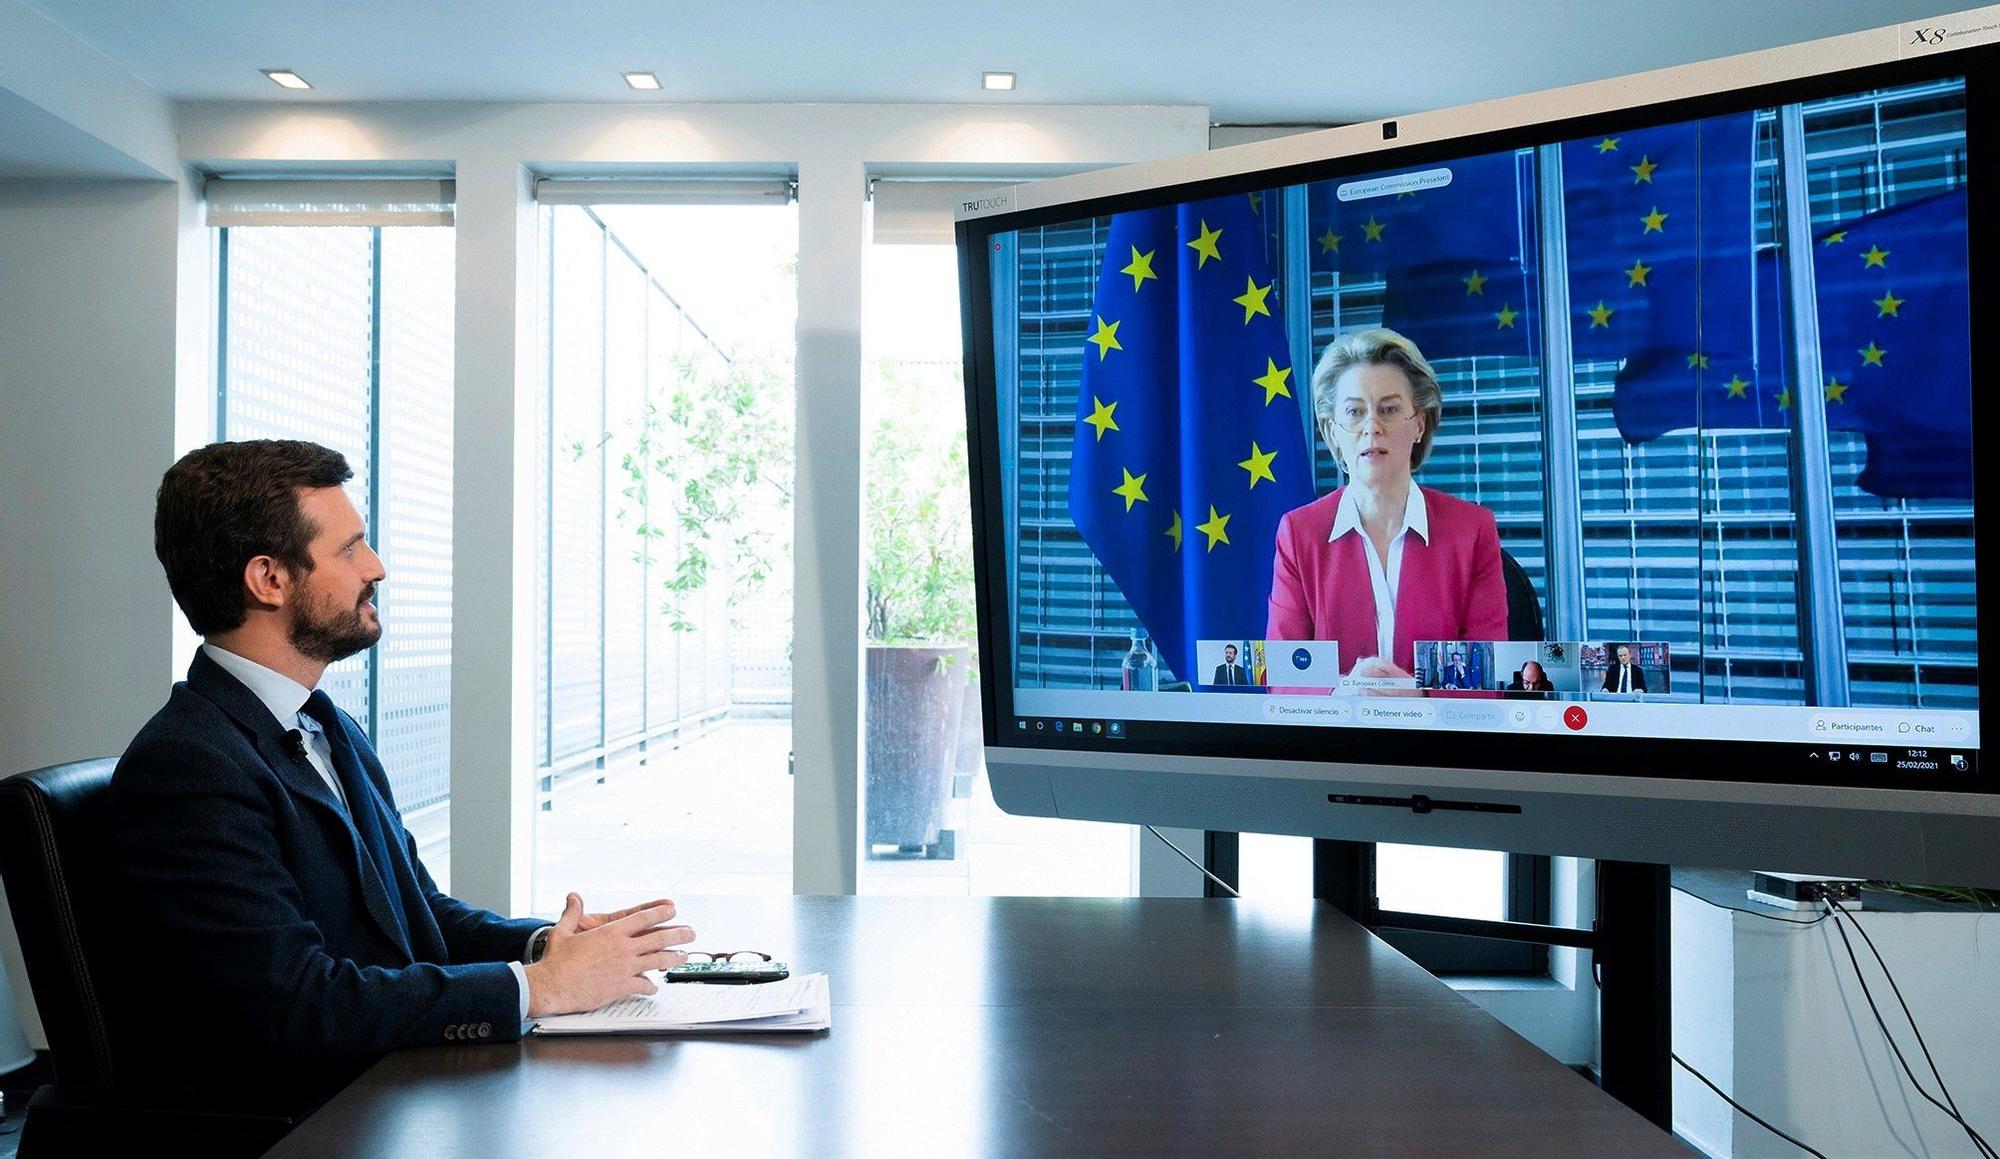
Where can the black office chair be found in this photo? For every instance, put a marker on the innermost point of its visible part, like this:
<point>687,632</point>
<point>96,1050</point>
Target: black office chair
<point>55,853</point>
<point>1524,604</point>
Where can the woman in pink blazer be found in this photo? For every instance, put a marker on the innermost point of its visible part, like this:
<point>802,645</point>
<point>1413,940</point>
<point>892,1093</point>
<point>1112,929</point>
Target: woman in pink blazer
<point>1381,562</point>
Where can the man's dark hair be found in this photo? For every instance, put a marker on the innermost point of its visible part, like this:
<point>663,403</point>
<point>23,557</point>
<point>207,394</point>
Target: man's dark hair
<point>222,506</point>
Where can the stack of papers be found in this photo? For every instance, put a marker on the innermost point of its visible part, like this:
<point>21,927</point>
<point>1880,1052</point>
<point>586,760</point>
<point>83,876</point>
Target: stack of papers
<point>799,1003</point>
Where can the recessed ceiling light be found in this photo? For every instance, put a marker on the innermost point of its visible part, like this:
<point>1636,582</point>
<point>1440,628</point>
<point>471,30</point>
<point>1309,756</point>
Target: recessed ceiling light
<point>286,78</point>
<point>644,81</point>
<point>997,82</point>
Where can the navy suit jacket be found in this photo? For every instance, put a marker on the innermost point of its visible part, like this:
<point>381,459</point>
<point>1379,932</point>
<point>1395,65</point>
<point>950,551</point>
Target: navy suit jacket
<point>273,967</point>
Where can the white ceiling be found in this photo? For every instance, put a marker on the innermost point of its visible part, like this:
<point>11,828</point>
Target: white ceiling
<point>1262,61</point>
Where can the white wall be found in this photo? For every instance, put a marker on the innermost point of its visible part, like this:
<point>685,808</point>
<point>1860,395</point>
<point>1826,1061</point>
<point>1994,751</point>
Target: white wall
<point>1774,1015</point>
<point>89,342</point>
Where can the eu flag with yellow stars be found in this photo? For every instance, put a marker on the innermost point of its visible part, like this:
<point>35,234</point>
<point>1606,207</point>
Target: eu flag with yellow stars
<point>1895,328</point>
<point>1190,441</point>
<point>1453,260</point>
<point>1660,248</point>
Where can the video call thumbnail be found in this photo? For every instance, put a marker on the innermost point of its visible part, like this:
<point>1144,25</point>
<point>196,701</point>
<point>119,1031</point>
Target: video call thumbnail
<point>1281,665</point>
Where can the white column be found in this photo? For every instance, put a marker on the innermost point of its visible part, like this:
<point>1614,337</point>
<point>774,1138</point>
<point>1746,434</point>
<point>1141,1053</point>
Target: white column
<point>827,623</point>
<point>493,526</point>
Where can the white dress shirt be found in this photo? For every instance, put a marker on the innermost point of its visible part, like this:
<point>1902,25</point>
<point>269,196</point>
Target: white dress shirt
<point>1384,576</point>
<point>286,698</point>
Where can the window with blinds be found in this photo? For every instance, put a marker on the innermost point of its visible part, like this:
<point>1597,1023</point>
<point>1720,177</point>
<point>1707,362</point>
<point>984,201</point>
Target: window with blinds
<point>335,306</point>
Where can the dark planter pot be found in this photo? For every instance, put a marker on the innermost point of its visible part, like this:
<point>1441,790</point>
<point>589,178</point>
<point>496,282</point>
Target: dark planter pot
<point>916,694</point>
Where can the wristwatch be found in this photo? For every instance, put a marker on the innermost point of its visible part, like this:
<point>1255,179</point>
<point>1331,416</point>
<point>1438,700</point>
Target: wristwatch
<point>538,943</point>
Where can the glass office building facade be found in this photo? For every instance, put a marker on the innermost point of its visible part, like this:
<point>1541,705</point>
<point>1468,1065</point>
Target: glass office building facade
<point>1721,585</point>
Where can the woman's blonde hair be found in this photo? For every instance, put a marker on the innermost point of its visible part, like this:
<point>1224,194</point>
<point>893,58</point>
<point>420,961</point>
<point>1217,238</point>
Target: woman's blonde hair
<point>1378,348</point>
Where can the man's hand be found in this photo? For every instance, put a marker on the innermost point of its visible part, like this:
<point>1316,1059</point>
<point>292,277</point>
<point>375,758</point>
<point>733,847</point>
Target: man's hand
<point>592,921</point>
<point>587,967</point>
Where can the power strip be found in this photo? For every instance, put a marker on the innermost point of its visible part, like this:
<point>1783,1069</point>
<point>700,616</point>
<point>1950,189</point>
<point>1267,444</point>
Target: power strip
<point>1801,891</point>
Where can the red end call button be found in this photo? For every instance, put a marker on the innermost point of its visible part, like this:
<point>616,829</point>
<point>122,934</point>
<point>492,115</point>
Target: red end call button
<point>1575,717</point>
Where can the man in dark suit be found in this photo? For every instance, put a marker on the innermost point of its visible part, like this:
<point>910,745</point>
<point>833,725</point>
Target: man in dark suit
<point>1456,674</point>
<point>286,932</point>
<point>1229,671</point>
<point>1624,676</point>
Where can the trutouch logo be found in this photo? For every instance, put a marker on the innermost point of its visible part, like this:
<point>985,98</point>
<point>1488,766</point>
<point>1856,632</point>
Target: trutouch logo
<point>992,203</point>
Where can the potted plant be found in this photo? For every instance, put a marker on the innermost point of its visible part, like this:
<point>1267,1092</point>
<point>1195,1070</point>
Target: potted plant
<point>920,614</point>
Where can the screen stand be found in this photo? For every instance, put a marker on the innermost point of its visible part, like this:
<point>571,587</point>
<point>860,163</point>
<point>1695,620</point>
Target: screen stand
<point>1635,1003</point>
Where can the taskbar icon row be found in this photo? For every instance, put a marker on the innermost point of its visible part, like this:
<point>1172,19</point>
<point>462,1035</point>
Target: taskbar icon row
<point>1070,726</point>
<point>1914,760</point>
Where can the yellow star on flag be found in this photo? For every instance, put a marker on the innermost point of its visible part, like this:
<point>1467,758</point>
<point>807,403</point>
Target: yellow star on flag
<point>1697,361</point>
<point>1609,145</point>
<point>1100,416</point>
<point>1475,283</point>
<point>1133,489</point>
<point>1836,391</point>
<point>1329,242</point>
<point>1217,528</point>
<point>1876,257</point>
<point>1252,300</point>
<point>1372,228</point>
<point>1785,399</point>
<point>1871,355</point>
<point>1644,169</point>
<point>1888,304</point>
<point>1274,380</point>
<point>1174,532</point>
<point>1141,267</point>
<point>1835,238</point>
<point>1259,465</point>
<point>1600,315</point>
<point>1205,245</point>
<point>1256,203</point>
<point>1656,221</point>
<point>1506,316</point>
<point>1636,276</point>
<point>1106,337</point>
<point>1737,386</point>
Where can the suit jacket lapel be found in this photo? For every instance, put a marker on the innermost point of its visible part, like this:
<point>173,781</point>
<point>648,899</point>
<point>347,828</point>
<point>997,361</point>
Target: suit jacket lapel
<point>213,681</point>
<point>363,792</point>
<point>361,795</point>
<point>294,772</point>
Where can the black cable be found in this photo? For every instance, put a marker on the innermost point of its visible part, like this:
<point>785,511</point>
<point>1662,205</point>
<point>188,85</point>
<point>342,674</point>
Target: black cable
<point>1191,861</point>
<point>1745,1111</point>
<point>1978,1140</point>
<point>1900,1001</point>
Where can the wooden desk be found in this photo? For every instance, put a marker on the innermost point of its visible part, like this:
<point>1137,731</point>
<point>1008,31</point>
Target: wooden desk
<point>1020,1026</point>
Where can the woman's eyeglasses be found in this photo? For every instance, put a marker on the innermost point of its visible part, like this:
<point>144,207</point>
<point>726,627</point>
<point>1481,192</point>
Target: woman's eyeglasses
<point>1390,413</point>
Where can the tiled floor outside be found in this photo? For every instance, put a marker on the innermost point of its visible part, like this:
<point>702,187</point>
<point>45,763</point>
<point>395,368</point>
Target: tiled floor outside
<point>715,817</point>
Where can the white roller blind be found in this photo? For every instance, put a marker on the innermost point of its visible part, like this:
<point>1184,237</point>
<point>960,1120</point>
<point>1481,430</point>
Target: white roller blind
<point>393,201</point>
<point>917,212</point>
<point>688,191</point>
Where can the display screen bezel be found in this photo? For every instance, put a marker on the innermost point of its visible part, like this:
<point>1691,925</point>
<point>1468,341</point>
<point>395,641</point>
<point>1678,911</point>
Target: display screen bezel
<point>1674,757</point>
